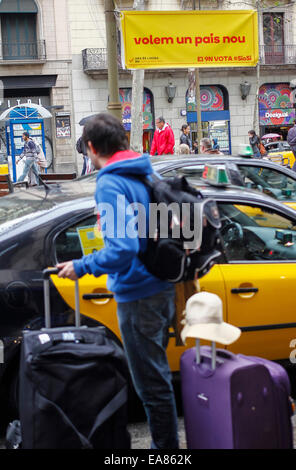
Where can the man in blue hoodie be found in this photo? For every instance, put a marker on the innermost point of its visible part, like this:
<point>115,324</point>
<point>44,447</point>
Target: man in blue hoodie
<point>145,304</point>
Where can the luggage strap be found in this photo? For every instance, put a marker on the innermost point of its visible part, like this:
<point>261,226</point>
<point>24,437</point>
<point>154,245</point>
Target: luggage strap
<point>117,401</point>
<point>111,407</point>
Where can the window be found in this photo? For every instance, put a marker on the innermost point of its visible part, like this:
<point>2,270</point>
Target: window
<point>81,238</point>
<point>256,234</point>
<point>18,29</point>
<point>273,33</point>
<point>190,171</point>
<point>271,182</point>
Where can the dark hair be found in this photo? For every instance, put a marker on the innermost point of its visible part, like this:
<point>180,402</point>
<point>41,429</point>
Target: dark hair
<point>184,127</point>
<point>106,133</point>
<point>26,134</point>
<point>252,132</point>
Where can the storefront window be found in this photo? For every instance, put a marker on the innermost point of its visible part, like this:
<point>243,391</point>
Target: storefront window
<point>125,95</point>
<point>214,114</point>
<point>276,113</point>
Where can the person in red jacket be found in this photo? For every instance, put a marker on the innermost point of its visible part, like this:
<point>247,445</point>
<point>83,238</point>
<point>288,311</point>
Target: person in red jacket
<point>163,140</point>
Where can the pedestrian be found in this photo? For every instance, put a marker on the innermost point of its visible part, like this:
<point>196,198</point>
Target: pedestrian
<point>215,144</point>
<point>254,142</point>
<point>163,140</point>
<point>183,149</point>
<point>195,147</point>
<point>206,147</point>
<point>87,164</point>
<point>145,304</point>
<point>291,139</point>
<point>30,152</point>
<point>185,136</point>
<point>41,164</point>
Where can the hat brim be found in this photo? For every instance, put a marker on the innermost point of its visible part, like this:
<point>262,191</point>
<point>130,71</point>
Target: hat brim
<point>219,332</point>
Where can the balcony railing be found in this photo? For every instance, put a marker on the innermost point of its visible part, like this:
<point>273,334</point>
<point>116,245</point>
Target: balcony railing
<point>23,51</point>
<point>95,59</point>
<point>280,54</point>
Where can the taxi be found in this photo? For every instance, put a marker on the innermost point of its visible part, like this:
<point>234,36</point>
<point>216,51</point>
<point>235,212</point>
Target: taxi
<point>4,170</point>
<point>281,147</point>
<point>263,175</point>
<point>255,276</point>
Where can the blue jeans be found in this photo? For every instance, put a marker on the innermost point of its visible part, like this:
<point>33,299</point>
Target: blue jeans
<point>144,326</point>
<point>29,164</point>
<point>257,154</point>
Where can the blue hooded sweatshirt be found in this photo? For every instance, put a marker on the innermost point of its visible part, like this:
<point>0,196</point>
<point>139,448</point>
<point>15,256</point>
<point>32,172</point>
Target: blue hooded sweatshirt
<point>117,189</point>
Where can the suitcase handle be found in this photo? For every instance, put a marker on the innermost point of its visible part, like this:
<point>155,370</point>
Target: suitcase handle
<point>226,354</point>
<point>46,288</point>
<point>214,354</point>
<point>48,272</point>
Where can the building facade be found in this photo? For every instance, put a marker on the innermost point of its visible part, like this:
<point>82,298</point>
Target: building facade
<point>228,110</point>
<point>36,67</point>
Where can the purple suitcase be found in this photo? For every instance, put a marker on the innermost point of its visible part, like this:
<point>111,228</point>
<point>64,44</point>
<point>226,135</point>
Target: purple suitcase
<point>234,401</point>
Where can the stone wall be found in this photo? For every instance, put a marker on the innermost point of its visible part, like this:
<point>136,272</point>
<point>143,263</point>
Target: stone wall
<point>53,27</point>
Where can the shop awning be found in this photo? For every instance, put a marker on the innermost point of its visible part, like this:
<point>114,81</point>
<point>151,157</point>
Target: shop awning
<point>30,107</point>
<point>29,81</point>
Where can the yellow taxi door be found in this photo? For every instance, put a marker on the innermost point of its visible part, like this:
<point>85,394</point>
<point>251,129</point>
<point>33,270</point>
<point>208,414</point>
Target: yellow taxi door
<point>260,301</point>
<point>260,279</point>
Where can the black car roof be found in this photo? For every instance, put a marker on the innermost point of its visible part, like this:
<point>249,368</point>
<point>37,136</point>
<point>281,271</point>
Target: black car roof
<point>85,186</point>
<point>79,194</point>
<point>167,162</point>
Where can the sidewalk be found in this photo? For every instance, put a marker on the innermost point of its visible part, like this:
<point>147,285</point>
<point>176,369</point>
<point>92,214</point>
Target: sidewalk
<point>141,437</point>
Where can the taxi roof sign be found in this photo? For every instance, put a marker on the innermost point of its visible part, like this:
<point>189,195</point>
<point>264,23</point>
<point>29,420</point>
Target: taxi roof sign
<point>216,175</point>
<point>245,150</point>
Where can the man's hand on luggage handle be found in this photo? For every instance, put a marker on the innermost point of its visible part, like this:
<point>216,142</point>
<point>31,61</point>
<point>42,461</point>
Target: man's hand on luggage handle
<point>67,270</point>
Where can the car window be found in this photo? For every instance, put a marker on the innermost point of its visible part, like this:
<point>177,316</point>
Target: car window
<point>253,233</point>
<point>195,171</point>
<point>81,238</point>
<point>269,181</point>
<point>286,146</point>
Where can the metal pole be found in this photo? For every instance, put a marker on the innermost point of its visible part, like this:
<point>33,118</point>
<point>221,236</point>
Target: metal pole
<point>136,138</point>
<point>197,99</point>
<point>256,109</point>
<point>198,108</point>
<point>114,105</point>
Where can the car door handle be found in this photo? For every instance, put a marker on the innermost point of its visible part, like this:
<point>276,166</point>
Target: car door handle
<point>245,290</point>
<point>97,296</point>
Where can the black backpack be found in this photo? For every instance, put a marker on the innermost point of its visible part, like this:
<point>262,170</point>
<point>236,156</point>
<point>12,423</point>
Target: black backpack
<point>184,239</point>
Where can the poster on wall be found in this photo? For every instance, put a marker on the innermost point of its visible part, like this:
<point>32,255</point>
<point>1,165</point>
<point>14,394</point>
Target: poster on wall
<point>63,126</point>
<point>181,39</point>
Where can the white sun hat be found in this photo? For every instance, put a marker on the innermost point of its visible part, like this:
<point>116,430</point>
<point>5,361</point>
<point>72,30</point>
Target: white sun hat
<point>204,320</point>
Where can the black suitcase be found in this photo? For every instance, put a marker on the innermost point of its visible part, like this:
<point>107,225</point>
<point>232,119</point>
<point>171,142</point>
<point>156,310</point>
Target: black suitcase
<point>73,386</point>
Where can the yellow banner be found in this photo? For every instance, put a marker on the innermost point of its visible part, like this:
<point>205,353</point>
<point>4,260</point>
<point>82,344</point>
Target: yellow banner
<point>183,39</point>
